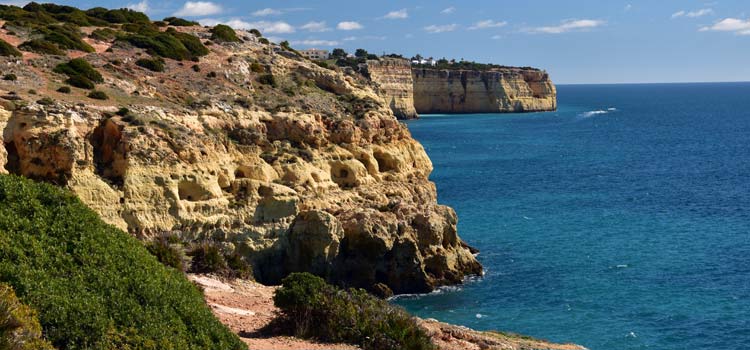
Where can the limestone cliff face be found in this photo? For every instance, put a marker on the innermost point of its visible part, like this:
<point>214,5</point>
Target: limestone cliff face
<point>495,91</point>
<point>311,174</point>
<point>394,81</point>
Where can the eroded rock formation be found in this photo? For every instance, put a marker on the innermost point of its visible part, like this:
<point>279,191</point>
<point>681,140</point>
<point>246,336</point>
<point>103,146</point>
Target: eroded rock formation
<point>494,91</point>
<point>312,173</point>
<point>412,91</point>
<point>393,78</point>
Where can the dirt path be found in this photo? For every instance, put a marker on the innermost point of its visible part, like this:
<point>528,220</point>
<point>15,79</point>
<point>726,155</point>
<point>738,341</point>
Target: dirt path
<point>246,307</point>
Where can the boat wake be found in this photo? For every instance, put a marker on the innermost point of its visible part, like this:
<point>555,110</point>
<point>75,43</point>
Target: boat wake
<point>590,114</point>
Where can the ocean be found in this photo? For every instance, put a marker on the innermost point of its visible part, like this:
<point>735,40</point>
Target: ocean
<point>620,221</point>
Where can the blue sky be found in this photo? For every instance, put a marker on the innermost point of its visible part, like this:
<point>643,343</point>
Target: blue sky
<point>576,41</point>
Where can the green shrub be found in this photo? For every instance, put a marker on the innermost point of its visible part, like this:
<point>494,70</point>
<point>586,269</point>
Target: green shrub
<point>238,267</point>
<point>103,34</point>
<point>191,43</point>
<point>267,79</point>
<point>256,33</point>
<point>315,309</point>
<point>19,325</point>
<point>224,34</point>
<point>123,111</point>
<point>168,253</point>
<point>257,67</point>
<point>66,37</point>
<point>94,286</point>
<point>180,22</point>
<point>98,95</point>
<point>163,44</point>
<point>148,29</point>
<point>212,75</point>
<point>118,16</point>
<point>41,47</point>
<point>64,90</point>
<point>45,101</point>
<point>264,41</point>
<point>152,64</point>
<point>207,258</point>
<point>80,73</point>
<point>8,49</point>
<point>80,82</point>
<point>196,68</point>
<point>10,77</point>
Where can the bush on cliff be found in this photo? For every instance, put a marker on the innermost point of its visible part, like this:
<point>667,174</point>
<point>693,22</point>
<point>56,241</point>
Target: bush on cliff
<point>19,325</point>
<point>41,47</point>
<point>224,34</point>
<point>8,49</point>
<point>180,22</point>
<point>208,258</point>
<point>94,286</point>
<point>80,73</point>
<point>152,64</point>
<point>315,309</point>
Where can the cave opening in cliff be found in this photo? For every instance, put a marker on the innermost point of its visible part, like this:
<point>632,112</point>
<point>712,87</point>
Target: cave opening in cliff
<point>109,153</point>
<point>12,165</point>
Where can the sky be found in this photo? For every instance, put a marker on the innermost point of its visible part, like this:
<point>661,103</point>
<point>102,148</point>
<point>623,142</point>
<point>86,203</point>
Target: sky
<point>576,41</point>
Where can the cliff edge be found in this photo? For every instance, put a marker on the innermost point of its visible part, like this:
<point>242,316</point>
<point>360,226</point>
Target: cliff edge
<point>393,79</point>
<point>493,91</point>
<point>294,166</point>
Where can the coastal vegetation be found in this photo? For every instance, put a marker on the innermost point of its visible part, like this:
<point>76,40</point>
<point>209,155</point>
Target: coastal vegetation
<point>80,73</point>
<point>94,286</point>
<point>314,309</point>
<point>224,34</point>
<point>19,324</point>
<point>8,49</point>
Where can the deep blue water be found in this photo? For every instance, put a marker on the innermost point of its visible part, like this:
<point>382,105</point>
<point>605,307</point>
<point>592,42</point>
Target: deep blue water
<point>621,230</point>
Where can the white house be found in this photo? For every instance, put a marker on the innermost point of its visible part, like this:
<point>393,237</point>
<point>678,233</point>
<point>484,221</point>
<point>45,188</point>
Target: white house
<point>315,54</point>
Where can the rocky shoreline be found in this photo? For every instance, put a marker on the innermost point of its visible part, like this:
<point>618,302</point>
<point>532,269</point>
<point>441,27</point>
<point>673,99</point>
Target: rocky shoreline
<point>247,307</point>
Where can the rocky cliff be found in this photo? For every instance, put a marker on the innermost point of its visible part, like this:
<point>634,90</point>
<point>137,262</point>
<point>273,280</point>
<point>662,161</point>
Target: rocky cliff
<point>394,82</point>
<point>494,91</point>
<point>297,167</point>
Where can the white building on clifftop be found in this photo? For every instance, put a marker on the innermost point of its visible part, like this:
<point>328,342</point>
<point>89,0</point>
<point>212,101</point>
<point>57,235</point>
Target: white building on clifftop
<point>315,54</point>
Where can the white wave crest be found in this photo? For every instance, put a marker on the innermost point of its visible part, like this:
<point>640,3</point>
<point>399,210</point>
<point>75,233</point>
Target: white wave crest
<point>590,114</point>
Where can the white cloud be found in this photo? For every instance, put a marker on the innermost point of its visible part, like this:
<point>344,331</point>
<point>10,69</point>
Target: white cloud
<point>568,26</point>
<point>140,7</point>
<point>693,14</point>
<point>277,27</point>
<point>400,14</point>
<point>628,7</point>
<point>440,28</point>
<point>448,10</point>
<point>488,24</point>
<point>313,26</point>
<point>349,25</point>
<point>738,26</point>
<point>199,8</point>
<point>264,27</point>
<point>496,37</point>
<point>315,42</point>
<point>366,37</point>
<point>266,12</point>
<point>18,3</point>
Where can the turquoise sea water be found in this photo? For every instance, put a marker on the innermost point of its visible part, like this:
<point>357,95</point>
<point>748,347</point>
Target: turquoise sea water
<point>621,221</point>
